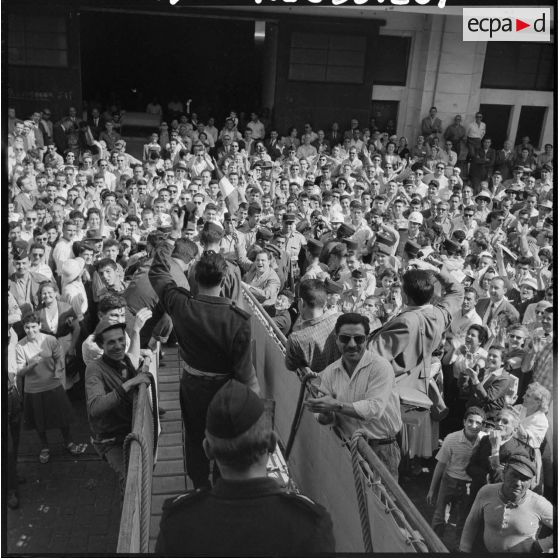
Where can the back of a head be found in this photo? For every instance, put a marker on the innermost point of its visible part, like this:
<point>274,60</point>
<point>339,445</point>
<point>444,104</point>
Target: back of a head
<point>211,234</point>
<point>185,250</point>
<point>313,293</point>
<point>418,285</point>
<point>239,430</point>
<point>210,269</point>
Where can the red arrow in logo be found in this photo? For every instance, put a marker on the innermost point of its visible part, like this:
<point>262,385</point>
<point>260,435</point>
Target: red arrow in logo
<point>520,25</point>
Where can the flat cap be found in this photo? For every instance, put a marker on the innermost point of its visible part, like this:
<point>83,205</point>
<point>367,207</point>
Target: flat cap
<point>333,288</point>
<point>345,231</point>
<point>522,464</point>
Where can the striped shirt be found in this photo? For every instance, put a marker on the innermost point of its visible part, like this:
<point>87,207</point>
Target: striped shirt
<point>372,391</point>
<point>456,453</point>
<point>313,343</point>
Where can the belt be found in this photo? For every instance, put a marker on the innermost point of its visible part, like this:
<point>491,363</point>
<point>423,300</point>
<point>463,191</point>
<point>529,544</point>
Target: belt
<point>382,441</point>
<point>191,371</point>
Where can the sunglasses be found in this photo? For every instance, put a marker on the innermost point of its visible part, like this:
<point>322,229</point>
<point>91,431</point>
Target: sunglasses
<point>358,339</point>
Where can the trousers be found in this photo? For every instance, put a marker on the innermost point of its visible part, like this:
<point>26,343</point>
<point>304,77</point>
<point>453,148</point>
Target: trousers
<point>452,491</point>
<point>195,395</point>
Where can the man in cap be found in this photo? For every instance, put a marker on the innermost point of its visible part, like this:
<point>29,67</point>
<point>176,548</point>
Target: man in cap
<point>250,512</point>
<point>108,383</point>
<point>214,336</point>
<point>24,284</point>
<point>508,514</point>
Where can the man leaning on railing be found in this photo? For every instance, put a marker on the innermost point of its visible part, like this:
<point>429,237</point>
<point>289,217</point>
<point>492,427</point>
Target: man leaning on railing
<point>109,385</point>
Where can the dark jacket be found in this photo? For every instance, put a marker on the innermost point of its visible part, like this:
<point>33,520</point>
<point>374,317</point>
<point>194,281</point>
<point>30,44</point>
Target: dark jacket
<point>253,517</point>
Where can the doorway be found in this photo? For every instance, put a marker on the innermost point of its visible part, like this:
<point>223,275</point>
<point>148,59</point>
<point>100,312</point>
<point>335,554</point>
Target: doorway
<point>497,118</point>
<point>127,59</point>
<point>531,121</point>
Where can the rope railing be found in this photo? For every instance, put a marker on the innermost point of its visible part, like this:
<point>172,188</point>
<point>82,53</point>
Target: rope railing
<point>140,448</point>
<point>372,481</point>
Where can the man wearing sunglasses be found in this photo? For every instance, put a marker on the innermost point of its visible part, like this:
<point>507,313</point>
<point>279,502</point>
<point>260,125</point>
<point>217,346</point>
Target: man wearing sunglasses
<point>359,392</point>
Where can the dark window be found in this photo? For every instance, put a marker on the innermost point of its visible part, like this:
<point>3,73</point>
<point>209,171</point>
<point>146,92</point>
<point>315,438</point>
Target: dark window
<point>37,41</point>
<point>519,66</point>
<point>496,118</point>
<point>392,60</point>
<point>327,58</point>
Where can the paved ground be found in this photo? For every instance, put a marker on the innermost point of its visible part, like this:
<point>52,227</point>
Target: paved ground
<point>68,506</point>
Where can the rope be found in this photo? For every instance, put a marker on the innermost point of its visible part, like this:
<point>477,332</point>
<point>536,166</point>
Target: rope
<point>360,490</point>
<point>298,412</point>
<point>145,496</point>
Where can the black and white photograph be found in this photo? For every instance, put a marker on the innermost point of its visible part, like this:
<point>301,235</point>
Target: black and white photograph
<point>280,277</point>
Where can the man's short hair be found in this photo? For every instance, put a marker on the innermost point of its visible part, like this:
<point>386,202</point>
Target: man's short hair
<point>210,269</point>
<point>418,285</point>
<point>106,262</point>
<point>313,293</point>
<point>110,302</point>
<point>352,318</point>
<point>473,291</point>
<point>185,250</point>
<point>474,411</point>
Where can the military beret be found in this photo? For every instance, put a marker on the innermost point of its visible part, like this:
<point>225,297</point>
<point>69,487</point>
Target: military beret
<point>264,233</point>
<point>518,168</point>
<point>333,288</point>
<point>350,244</point>
<point>383,249</point>
<point>20,250</point>
<point>303,226</point>
<point>408,182</point>
<point>233,410</point>
<point>211,226</point>
<point>386,237</point>
<point>93,234</point>
<point>315,247</point>
<point>412,248</point>
<point>289,218</point>
<point>345,231</point>
<point>357,274</point>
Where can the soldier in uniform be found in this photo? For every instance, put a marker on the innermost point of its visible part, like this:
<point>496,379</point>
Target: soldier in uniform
<point>214,336</point>
<point>245,513</point>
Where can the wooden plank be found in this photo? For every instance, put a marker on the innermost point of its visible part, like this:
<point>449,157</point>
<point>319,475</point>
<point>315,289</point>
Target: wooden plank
<point>168,485</point>
<point>169,468</point>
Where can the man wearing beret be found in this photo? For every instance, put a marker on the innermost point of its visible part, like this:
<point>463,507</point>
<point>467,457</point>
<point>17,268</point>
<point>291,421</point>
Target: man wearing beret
<point>246,513</point>
<point>214,336</point>
<point>508,514</point>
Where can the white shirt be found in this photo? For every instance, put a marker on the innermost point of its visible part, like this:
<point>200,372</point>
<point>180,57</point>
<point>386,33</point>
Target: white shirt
<point>372,391</point>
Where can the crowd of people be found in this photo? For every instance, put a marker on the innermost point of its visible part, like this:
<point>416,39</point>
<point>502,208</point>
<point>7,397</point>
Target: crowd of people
<point>409,276</point>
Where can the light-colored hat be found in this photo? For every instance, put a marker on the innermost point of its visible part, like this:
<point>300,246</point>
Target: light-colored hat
<point>416,217</point>
<point>529,282</point>
<point>337,217</point>
<point>72,268</point>
<point>484,194</point>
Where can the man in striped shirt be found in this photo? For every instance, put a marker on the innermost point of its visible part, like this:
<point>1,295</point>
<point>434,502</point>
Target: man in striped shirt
<point>450,481</point>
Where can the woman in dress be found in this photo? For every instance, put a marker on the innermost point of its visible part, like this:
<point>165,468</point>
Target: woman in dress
<point>533,424</point>
<point>40,361</point>
<point>59,319</point>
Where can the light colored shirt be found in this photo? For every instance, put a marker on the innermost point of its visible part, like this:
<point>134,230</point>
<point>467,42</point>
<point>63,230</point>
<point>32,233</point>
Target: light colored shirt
<point>507,527</point>
<point>372,391</point>
<point>47,374</point>
<point>476,131</point>
<point>456,453</point>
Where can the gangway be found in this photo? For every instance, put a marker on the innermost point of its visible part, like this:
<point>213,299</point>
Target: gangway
<point>370,511</point>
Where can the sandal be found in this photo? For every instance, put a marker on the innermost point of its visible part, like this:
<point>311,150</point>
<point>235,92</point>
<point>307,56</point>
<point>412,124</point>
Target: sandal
<point>44,456</point>
<point>76,449</point>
